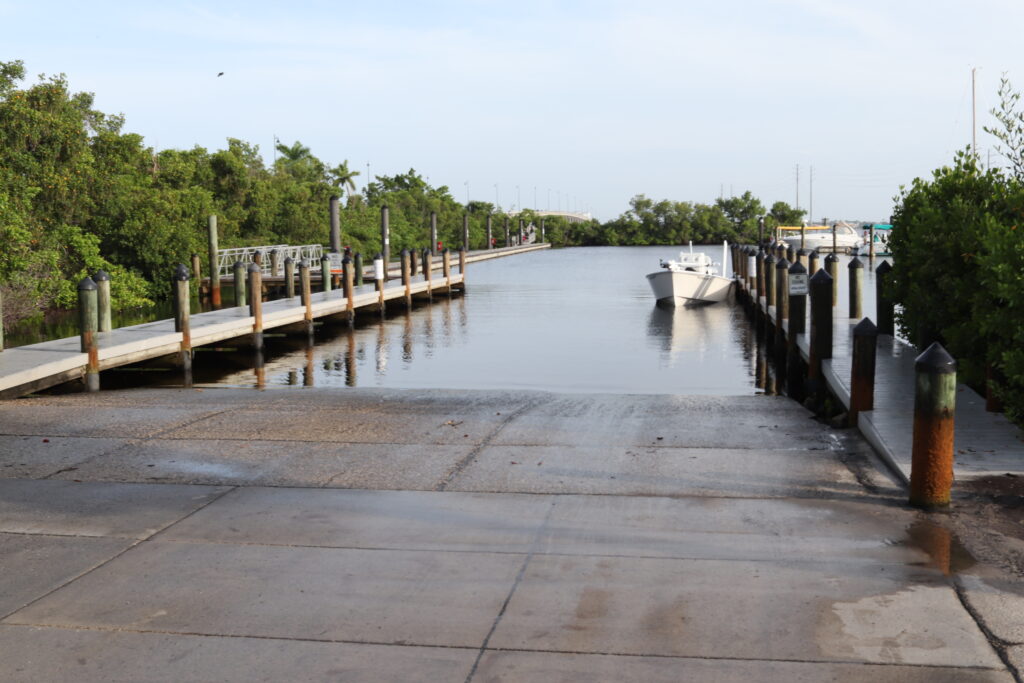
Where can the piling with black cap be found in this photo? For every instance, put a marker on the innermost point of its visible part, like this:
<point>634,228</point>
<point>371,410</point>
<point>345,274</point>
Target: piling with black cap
<point>862,374</point>
<point>797,286</point>
<point>790,253</point>
<point>214,266</point>
<point>357,268</point>
<point>856,286</point>
<point>182,309</point>
<point>433,232</point>
<point>883,299</point>
<point>256,303</point>
<point>446,269</point>
<point>385,239</point>
<point>275,262</point>
<point>289,277</point>
<point>820,286</point>
<point>325,272</point>
<point>102,280</point>
<point>239,272</point>
<point>931,467</point>
<point>832,266</point>
<point>88,324</point>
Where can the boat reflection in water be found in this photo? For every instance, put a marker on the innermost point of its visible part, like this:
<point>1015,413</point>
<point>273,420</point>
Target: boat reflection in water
<point>698,339</point>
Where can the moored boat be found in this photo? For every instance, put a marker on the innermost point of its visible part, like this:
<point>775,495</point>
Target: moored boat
<point>841,237</point>
<point>690,280</point>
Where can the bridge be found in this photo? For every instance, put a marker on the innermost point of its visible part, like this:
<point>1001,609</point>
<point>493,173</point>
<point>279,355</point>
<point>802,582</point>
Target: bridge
<point>571,216</point>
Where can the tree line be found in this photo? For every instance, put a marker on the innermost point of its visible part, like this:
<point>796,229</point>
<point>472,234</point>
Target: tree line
<point>78,194</point>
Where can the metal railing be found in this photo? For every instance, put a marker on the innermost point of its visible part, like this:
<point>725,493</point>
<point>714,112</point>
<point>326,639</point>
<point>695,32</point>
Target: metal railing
<point>226,257</point>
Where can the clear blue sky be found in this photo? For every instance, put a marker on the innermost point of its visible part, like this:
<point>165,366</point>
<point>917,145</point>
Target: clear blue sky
<point>593,102</point>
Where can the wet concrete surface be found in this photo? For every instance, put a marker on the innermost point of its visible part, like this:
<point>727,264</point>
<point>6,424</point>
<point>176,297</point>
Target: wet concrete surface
<point>475,536</point>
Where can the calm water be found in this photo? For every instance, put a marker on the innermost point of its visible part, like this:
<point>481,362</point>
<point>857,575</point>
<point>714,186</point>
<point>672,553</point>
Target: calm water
<point>576,320</point>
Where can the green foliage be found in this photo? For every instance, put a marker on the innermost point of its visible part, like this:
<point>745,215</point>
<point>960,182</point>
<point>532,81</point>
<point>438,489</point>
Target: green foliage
<point>1011,132</point>
<point>958,257</point>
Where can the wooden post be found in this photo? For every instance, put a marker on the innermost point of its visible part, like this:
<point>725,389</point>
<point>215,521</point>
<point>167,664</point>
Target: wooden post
<point>379,274</point>
<point>446,269</point>
<point>856,274</point>
<point>812,262</point>
<point>214,267</point>
<point>306,289</point>
<point>289,277</point>
<point>325,272</point>
<point>797,282</point>
<point>257,258</point>
<point>358,268</point>
<point>102,280</point>
<point>931,467</point>
<point>759,276</point>
<point>465,231</point>
<point>790,253</point>
<point>88,322</point>
<point>781,312</point>
<point>490,221</point>
<point>433,232</point>
<point>862,375</point>
<point>349,280</point>
<point>883,300</point>
<point>335,224</point>
<point>462,269</point>
<point>182,309</point>
<point>385,239</point>
<point>769,281</point>
<point>406,279</point>
<point>414,262</point>
<point>256,303</point>
<point>820,286</point>
<point>832,266</point>
<point>197,274</point>
<point>802,257</point>
<point>275,262</point>
<point>239,273</point>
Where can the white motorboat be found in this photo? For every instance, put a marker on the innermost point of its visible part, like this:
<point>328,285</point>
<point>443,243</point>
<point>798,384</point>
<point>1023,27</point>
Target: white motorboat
<point>820,237</point>
<point>691,280</point>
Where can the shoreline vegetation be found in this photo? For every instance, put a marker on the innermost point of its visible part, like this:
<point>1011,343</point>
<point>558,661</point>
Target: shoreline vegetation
<point>79,194</point>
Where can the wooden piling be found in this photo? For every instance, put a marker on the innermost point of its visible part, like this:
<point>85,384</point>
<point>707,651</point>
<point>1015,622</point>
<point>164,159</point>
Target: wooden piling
<point>883,300</point>
<point>289,277</point>
<point>446,270</point>
<point>862,375</point>
<point>102,280</point>
<point>357,267</point>
<point>214,267</point>
<point>758,276</point>
<point>197,273</point>
<point>832,266</point>
<point>428,269</point>
<point>931,467</point>
<point>325,273</point>
<point>797,309</point>
<point>812,262</point>
<point>275,262</point>
<point>414,262</point>
<point>349,287</point>
<point>462,269</point>
<point>433,233</point>
<point>239,272</point>
<point>256,303</point>
<point>856,287</point>
<point>769,281</point>
<point>820,286</point>
<point>182,310</point>
<point>88,324</point>
<point>406,279</point>
<point>379,275</point>
<point>781,314</point>
<point>306,289</point>
<point>385,238</point>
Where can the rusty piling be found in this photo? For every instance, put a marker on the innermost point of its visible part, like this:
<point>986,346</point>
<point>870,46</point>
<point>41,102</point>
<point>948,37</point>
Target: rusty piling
<point>931,467</point>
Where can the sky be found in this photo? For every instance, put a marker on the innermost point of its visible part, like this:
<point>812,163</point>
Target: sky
<point>555,104</point>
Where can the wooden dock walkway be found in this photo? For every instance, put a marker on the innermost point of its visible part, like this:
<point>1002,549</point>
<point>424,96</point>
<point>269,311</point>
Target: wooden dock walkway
<point>34,367</point>
<point>985,443</point>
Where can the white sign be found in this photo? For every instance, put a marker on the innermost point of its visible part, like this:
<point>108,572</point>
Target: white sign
<point>798,284</point>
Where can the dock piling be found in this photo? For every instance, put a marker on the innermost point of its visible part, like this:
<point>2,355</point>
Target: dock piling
<point>856,286</point>
<point>883,299</point>
<point>197,269</point>
<point>256,303</point>
<point>812,262</point>
<point>406,279</point>
<point>931,466</point>
<point>214,267</point>
<point>88,322</point>
<point>446,270</point>
<point>306,289</point>
<point>238,269</point>
<point>102,280</point>
<point>275,262</point>
<point>862,374</point>
<point>820,286</point>
<point>832,266</point>
<point>781,313</point>
<point>289,277</point>
<point>325,272</point>
<point>378,279</point>
<point>182,309</point>
<point>357,266</point>
<point>347,284</point>
<point>797,285</point>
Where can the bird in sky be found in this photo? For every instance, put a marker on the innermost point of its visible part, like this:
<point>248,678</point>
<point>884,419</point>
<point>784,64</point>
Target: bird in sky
<point>220,74</point>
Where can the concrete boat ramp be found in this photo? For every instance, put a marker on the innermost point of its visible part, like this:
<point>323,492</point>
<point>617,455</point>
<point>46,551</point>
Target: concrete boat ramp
<point>389,535</point>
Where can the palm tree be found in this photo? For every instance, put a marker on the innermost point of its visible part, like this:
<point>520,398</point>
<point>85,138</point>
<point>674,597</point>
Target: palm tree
<point>295,152</point>
<point>342,177</point>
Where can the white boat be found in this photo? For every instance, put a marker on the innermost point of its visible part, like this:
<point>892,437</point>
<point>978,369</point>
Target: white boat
<point>691,280</point>
<point>847,238</point>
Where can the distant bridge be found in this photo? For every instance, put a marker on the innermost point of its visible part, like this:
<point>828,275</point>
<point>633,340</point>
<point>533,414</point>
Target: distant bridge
<point>570,216</point>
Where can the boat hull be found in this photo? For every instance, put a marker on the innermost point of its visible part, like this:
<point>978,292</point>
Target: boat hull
<point>823,243</point>
<point>689,289</point>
